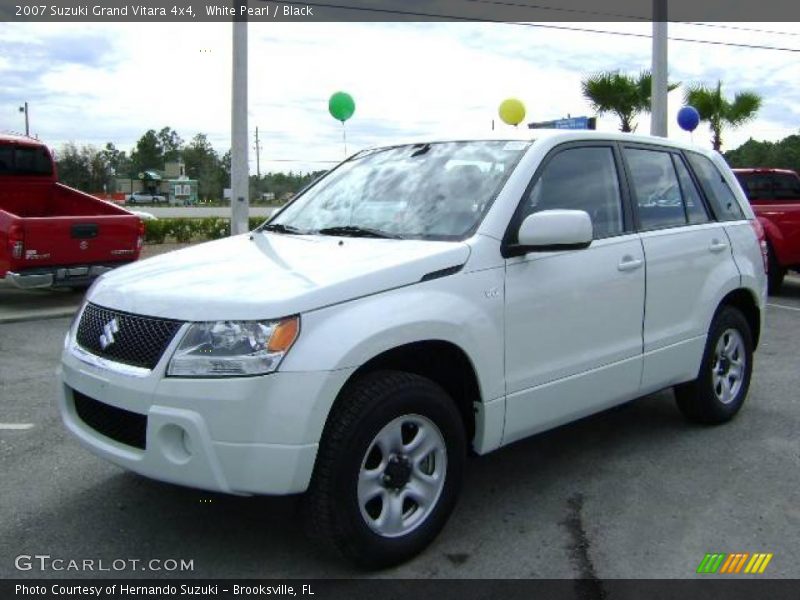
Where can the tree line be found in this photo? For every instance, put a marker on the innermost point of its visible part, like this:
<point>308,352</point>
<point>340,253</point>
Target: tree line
<point>784,154</point>
<point>93,169</point>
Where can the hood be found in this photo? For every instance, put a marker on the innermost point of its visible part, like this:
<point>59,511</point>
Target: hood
<point>269,276</point>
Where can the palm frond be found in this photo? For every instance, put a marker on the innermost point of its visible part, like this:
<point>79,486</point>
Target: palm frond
<point>706,100</point>
<point>644,85</point>
<point>609,91</point>
<point>744,107</point>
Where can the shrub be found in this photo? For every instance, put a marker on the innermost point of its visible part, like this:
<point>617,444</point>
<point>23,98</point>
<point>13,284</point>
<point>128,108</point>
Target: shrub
<point>183,230</point>
<point>188,230</point>
<point>155,232</point>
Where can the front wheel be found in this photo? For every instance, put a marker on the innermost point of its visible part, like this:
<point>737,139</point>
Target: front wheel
<point>388,471</point>
<point>724,379</point>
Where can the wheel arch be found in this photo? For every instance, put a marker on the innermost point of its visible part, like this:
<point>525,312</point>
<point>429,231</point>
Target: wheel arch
<point>774,237</point>
<point>745,301</point>
<point>441,361</point>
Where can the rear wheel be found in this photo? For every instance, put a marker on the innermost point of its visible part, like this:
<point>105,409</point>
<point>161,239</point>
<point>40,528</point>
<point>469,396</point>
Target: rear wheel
<point>776,272</point>
<point>388,471</point>
<point>724,380</point>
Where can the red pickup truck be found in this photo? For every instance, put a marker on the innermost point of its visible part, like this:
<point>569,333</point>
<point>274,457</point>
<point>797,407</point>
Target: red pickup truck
<point>52,235</point>
<point>774,195</point>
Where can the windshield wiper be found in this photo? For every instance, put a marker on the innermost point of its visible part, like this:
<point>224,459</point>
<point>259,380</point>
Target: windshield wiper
<point>355,231</point>
<point>281,228</point>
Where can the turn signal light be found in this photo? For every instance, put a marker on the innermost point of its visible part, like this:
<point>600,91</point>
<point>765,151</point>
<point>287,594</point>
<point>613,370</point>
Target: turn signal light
<point>284,335</point>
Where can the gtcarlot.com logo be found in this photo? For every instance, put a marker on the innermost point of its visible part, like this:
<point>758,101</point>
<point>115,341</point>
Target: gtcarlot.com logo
<point>734,564</point>
<point>45,562</point>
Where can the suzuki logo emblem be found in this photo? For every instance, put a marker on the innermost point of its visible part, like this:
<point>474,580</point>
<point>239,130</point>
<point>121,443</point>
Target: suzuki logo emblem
<point>109,329</point>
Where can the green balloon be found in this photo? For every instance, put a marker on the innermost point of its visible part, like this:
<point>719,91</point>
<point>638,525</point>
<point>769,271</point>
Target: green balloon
<point>341,106</point>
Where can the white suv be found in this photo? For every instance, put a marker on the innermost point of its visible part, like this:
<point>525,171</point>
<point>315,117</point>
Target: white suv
<point>419,302</point>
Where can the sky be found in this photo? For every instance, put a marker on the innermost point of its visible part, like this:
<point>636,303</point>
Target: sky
<point>93,83</point>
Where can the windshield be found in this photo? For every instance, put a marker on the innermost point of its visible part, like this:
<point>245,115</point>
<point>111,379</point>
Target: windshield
<point>425,191</point>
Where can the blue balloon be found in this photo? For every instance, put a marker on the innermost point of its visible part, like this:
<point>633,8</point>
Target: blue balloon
<point>688,118</point>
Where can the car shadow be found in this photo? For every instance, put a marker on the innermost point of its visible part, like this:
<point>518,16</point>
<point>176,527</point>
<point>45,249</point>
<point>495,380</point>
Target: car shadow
<point>789,289</point>
<point>125,515</point>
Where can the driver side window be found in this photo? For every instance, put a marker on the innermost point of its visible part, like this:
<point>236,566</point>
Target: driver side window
<point>581,179</point>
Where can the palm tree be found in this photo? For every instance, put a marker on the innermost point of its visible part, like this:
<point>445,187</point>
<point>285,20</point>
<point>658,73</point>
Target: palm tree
<point>721,113</point>
<point>624,95</point>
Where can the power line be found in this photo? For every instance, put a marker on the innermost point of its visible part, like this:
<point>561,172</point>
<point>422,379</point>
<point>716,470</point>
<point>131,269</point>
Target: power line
<point>648,36</point>
<point>739,28</point>
<point>410,13</point>
<point>630,17</point>
<point>575,11</point>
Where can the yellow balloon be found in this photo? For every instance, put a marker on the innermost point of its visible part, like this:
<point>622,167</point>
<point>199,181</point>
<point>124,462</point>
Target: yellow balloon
<point>512,111</point>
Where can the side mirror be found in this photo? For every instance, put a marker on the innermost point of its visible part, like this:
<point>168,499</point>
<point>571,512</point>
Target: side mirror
<point>555,230</point>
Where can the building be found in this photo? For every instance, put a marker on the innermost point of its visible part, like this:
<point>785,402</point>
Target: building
<point>171,182</point>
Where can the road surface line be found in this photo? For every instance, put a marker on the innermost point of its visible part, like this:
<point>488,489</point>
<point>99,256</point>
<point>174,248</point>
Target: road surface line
<point>783,306</point>
<point>16,426</point>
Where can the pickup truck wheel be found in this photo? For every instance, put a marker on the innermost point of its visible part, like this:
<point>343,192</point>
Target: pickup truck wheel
<point>721,388</point>
<point>388,470</point>
<point>776,272</point>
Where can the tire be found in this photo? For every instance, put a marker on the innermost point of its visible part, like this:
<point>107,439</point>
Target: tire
<point>718,392</point>
<point>357,488</point>
<point>776,272</point>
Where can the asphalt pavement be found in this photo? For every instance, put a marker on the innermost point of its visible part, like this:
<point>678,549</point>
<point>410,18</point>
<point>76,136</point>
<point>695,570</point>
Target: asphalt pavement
<point>632,492</point>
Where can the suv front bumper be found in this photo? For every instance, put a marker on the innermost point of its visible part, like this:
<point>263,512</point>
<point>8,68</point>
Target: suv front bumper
<point>250,435</point>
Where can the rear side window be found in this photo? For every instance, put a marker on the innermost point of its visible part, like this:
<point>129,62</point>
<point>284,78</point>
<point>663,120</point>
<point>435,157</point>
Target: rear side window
<point>756,186</point>
<point>695,209</point>
<point>787,187</point>
<point>581,179</point>
<point>719,194</point>
<point>656,187</point>
<point>6,158</point>
<point>25,160</point>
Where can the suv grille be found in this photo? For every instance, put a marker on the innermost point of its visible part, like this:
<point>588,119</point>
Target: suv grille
<point>118,424</point>
<point>133,340</point>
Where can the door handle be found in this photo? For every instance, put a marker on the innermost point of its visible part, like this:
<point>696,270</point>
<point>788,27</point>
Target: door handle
<point>628,263</point>
<point>717,246</point>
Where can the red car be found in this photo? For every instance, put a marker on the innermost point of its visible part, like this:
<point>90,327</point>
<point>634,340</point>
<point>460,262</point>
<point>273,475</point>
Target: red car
<point>51,234</point>
<point>775,197</point>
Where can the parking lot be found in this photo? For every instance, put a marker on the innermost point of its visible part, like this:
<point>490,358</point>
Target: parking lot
<point>632,492</point>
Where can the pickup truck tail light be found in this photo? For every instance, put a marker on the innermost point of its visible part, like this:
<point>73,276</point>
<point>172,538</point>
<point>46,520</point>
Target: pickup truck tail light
<point>16,241</point>
<point>140,239</point>
<point>762,242</point>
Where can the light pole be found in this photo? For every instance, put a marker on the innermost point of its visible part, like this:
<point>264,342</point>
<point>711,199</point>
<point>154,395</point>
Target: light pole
<point>24,109</point>
<point>659,89</point>
<point>240,168</point>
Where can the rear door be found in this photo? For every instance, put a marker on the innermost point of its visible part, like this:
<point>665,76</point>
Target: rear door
<point>688,259</point>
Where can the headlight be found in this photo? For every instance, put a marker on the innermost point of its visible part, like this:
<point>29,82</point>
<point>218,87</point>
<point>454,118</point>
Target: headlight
<point>233,348</point>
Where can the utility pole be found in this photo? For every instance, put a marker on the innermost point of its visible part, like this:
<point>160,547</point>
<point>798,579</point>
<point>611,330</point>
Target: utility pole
<point>240,168</point>
<point>258,155</point>
<point>658,93</point>
<point>24,109</point>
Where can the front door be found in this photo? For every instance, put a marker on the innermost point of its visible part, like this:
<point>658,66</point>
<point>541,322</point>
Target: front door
<point>573,326</point>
